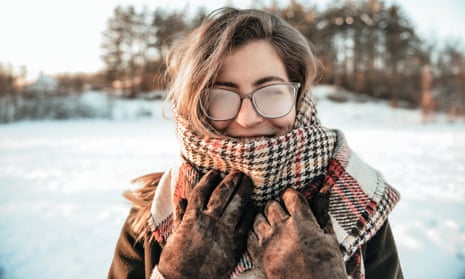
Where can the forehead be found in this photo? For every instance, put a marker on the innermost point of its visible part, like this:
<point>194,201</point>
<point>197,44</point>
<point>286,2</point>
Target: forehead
<point>250,62</point>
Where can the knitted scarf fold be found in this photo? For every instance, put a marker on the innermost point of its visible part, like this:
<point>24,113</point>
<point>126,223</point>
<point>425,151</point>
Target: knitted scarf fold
<point>360,199</point>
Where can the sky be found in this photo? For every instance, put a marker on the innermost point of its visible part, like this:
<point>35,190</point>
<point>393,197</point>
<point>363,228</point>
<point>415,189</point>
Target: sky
<point>56,36</point>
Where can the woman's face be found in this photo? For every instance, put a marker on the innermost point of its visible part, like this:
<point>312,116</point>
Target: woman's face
<point>251,66</point>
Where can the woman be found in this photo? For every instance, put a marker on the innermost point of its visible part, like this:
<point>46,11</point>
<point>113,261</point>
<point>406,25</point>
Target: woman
<point>262,190</point>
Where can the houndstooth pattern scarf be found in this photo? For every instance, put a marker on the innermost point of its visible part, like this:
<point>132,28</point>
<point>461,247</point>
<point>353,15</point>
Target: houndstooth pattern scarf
<point>273,163</point>
<point>360,199</point>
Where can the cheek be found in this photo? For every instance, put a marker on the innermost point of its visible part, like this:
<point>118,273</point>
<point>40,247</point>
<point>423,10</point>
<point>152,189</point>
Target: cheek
<point>220,125</point>
<point>285,123</point>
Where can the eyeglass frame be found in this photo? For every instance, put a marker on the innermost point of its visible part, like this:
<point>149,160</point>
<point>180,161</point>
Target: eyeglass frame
<point>294,85</point>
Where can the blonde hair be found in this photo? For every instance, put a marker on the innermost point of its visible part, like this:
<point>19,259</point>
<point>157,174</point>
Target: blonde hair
<point>194,61</point>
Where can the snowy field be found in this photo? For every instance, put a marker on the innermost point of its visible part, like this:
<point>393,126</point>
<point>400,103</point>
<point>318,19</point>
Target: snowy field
<point>61,184</point>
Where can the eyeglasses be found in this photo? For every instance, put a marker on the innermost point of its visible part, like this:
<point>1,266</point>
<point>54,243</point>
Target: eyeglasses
<point>271,101</point>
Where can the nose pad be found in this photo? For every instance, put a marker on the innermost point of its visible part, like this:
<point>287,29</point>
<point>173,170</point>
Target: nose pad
<point>247,115</point>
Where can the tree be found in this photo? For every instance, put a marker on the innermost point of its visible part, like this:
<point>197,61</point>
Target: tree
<point>451,79</point>
<point>7,80</point>
<point>125,45</point>
<point>167,26</point>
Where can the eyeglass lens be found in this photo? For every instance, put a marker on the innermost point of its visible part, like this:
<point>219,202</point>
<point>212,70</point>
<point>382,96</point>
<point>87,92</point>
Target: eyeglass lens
<point>270,102</point>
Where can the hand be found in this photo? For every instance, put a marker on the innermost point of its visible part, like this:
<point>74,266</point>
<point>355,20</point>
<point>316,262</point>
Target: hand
<point>291,244</point>
<point>213,232</point>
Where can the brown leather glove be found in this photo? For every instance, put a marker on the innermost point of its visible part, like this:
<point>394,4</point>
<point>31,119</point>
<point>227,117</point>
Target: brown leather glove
<point>213,232</point>
<point>288,242</point>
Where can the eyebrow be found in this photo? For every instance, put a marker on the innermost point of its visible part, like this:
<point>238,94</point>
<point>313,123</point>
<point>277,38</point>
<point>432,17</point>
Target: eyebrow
<point>256,83</point>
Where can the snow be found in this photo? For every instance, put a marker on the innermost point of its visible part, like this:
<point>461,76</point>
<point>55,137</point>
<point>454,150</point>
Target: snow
<point>61,184</point>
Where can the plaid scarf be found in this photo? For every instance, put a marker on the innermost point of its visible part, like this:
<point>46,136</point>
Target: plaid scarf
<point>359,203</point>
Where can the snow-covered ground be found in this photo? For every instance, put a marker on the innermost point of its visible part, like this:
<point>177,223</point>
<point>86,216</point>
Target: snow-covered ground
<point>61,184</point>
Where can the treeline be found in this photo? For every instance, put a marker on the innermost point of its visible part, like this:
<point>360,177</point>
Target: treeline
<point>136,42</point>
<point>13,82</point>
<point>365,46</point>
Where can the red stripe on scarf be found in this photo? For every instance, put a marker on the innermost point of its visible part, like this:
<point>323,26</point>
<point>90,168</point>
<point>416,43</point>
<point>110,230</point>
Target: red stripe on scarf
<point>163,230</point>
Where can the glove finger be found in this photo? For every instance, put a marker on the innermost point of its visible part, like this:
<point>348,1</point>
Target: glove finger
<point>255,251</point>
<point>253,246</point>
<point>180,210</point>
<point>202,191</point>
<point>297,206</point>
<point>246,223</point>
<point>223,194</point>
<point>329,229</point>
<point>239,211</point>
<point>261,227</point>
<point>275,213</point>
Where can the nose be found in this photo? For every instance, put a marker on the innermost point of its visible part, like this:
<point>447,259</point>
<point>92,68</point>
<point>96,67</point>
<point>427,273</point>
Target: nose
<point>247,115</point>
